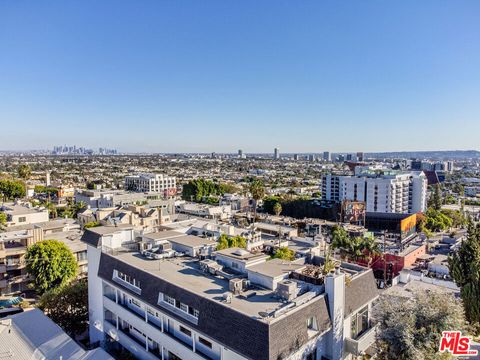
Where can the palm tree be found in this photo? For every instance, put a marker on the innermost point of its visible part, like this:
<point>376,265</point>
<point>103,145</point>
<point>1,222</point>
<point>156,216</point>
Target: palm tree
<point>340,240</point>
<point>277,208</point>
<point>369,249</point>
<point>257,190</point>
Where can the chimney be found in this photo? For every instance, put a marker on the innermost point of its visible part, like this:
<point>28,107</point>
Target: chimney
<point>335,290</point>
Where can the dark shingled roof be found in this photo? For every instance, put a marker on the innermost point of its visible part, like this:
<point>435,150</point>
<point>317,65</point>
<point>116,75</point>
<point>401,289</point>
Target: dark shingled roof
<point>237,331</point>
<point>361,290</point>
<point>91,238</point>
<point>250,337</point>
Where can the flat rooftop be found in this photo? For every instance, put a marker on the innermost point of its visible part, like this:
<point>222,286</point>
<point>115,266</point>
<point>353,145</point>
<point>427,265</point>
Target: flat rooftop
<point>187,272</point>
<point>23,210</point>
<point>161,235</point>
<point>240,254</point>
<point>191,241</point>
<point>277,267</point>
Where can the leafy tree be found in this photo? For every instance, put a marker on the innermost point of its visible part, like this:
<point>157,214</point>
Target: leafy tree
<point>49,190</point>
<point>284,253</point>
<point>91,224</point>
<point>3,220</point>
<point>464,267</point>
<point>436,220</point>
<point>52,210</point>
<point>456,216</point>
<point>277,208</point>
<point>437,197</point>
<point>368,249</point>
<point>329,264</point>
<point>225,242</point>
<point>222,242</point>
<point>11,189</point>
<point>269,203</point>
<point>411,329</point>
<point>257,190</point>
<point>67,306</point>
<point>24,171</point>
<point>201,190</point>
<point>458,188</point>
<point>354,249</point>
<point>51,264</point>
<point>340,238</point>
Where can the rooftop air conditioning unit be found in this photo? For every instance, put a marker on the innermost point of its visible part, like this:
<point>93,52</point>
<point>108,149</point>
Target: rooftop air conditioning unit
<point>236,285</point>
<point>287,290</point>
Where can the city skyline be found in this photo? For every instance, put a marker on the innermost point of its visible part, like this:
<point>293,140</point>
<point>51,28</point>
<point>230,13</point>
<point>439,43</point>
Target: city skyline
<point>212,77</point>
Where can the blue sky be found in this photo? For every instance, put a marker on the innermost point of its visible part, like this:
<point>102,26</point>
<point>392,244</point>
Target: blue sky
<point>219,75</point>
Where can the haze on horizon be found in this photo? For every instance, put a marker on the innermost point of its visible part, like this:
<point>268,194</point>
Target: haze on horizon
<point>191,76</point>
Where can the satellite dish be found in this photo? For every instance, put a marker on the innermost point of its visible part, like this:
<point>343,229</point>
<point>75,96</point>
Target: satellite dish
<point>263,314</point>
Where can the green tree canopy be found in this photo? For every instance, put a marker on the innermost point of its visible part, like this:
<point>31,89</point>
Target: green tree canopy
<point>51,264</point>
<point>67,306</point>
<point>3,220</point>
<point>226,242</point>
<point>200,190</point>
<point>257,190</point>
<point>284,253</point>
<point>353,248</point>
<point>464,267</point>
<point>277,208</point>
<point>91,224</point>
<point>24,171</point>
<point>437,200</point>
<point>411,329</point>
<point>436,220</point>
<point>12,189</point>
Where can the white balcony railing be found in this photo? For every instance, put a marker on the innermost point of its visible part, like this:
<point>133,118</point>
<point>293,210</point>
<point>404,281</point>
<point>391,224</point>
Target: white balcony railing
<point>363,342</point>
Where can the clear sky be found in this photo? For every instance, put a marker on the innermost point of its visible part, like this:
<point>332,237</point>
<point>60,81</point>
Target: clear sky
<point>220,75</point>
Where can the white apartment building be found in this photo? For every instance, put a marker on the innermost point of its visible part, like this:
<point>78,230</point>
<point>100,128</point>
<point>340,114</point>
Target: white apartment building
<point>187,308</point>
<point>148,182</point>
<point>24,214</point>
<point>382,191</point>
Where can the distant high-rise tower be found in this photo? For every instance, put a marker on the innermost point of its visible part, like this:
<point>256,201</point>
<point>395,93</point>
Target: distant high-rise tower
<point>326,156</point>
<point>295,157</point>
<point>240,154</point>
<point>276,153</point>
<point>311,157</point>
<point>359,156</point>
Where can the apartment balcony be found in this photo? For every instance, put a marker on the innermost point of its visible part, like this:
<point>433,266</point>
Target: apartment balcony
<point>3,284</point>
<point>128,341</point>
<point>3,268</point>
<point>359,345</point>
<point>153,331</point>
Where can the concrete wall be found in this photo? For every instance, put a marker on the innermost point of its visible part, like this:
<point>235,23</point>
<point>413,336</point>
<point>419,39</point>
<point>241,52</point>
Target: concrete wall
<point>95,295</point>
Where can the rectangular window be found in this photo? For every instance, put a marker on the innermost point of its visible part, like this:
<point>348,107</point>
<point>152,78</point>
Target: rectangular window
<point>195,313</point>
<point>22,219</point>
<point>185,331</point>
<point>205,342</point>
<point>136,303</point>
<point>184,307</point>
<point>168,299</point>
<point>359,323</point>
